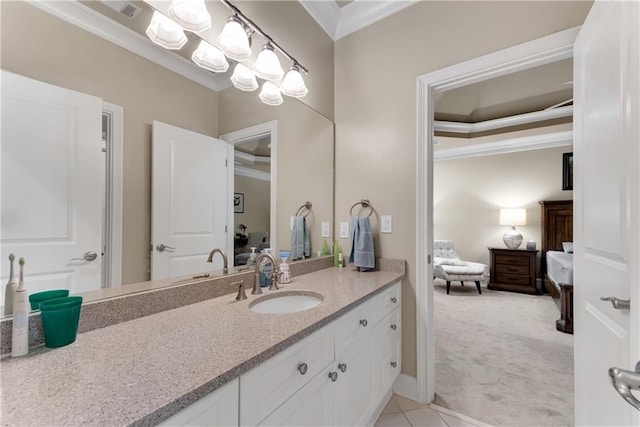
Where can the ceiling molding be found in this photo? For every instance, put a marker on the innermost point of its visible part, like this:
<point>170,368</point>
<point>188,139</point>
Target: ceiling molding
<point>89,20</point>
<point>252,173</point>
<point>536,142</point>
<point>504,122</point>
<point>339,22</point>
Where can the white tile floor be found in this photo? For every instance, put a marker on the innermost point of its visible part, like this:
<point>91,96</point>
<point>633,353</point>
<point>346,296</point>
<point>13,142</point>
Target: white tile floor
<point>403,412</point>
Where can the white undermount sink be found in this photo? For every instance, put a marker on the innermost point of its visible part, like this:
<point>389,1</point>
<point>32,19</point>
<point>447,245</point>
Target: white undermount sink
<point>286,302</point>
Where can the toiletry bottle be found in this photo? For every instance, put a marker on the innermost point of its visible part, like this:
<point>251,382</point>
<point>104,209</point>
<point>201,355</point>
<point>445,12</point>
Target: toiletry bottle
<point>266,268</point>
<point>10,290</point>
<point>284,273</point>
<point>20,332</point>
<point>325,247</point>
<point>340,262</point>
<point>252,258</point>
<point>336,253</point>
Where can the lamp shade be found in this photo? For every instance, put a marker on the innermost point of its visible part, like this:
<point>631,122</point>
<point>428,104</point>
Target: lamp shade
<point>234,41</point>
<point>293,84</point>
<point>210,58</point>
<point>192,15</point>
<point>267,64</point>
<point>513,216</point>
<point>270,94</point>
<point>243,78</point>
<point>165,32</point>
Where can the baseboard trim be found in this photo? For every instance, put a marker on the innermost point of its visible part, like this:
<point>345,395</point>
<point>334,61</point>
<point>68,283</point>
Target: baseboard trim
<point>406,386</point>
<point>459,416</point>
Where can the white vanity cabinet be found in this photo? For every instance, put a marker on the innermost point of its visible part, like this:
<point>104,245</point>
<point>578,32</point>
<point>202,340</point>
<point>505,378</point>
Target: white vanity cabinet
<point>219,408</point>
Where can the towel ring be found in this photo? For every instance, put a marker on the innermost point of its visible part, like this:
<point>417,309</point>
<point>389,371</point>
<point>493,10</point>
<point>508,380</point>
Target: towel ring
<point>365,204</point>
<point>307,205</point>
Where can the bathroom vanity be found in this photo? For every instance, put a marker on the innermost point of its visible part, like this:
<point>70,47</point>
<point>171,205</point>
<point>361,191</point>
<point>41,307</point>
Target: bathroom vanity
<point>217,362</point>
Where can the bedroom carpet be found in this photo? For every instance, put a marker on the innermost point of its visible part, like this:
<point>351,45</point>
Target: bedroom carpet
<point>499,358</point>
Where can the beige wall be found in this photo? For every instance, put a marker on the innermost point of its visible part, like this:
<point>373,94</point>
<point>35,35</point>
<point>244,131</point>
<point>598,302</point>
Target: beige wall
<point>257,200</point>
<point>50,50</point>
<point>468,195</point>
<point>375,106</point>
<point>304,144</point>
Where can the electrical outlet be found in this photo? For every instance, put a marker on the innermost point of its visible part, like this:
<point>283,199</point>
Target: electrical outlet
<point>325,229</point>
<point>344,230</point>
<point>386,225</point>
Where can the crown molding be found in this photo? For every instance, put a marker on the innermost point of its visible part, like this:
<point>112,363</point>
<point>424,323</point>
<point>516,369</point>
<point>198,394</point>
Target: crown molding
<point>89,20</point>
<point>504,122</point>
<point>252,173</point>
<point>361,13</point>
<point>326,13</point>
<point>536,142</point>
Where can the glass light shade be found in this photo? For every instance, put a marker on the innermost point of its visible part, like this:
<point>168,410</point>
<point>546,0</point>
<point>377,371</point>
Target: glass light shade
<point>233,40</point>
<point>293,84</point>
<point>210,58</point>
<point>267,64</point>
<point>244,79</point>
<point>513,217</point>
<point>192,15</point>
<point>270,94</point>
<point>165,32</point>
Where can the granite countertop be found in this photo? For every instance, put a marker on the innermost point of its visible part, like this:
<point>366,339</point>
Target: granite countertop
<point>142,371</point>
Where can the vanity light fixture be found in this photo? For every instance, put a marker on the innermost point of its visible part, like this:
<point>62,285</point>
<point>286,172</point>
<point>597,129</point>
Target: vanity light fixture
<point>165,32</point>
<point>244,79</point>
<point>293,84</point>
<point>210,58</point>
<point>234,40</point>
<point>267,64</point>
<point>270,94</point>
<point>192,15</point>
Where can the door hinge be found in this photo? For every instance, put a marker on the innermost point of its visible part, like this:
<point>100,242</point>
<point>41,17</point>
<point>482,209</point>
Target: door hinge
<point>226,163</point>
<point>225,228</point>
<point>429,259</point>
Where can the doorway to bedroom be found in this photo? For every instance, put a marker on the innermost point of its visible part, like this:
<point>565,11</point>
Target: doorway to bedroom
<point>489,345</point>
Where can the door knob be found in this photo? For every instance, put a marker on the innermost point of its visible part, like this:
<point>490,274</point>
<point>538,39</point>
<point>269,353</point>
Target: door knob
<point>88,256</point>
<point>618,304</point>
<point>161,247</point>
<point>624,381</point>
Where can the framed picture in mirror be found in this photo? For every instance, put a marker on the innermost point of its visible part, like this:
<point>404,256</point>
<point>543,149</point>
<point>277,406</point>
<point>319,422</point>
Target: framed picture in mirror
<point>238,202</point>
<point>567,171</point>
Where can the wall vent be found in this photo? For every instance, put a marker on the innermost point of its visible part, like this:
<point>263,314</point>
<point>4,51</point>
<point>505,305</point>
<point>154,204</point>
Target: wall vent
<point>124,8</point>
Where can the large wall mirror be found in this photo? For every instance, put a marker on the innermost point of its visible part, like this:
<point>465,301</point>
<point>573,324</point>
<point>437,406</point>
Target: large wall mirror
<point>45,48</point>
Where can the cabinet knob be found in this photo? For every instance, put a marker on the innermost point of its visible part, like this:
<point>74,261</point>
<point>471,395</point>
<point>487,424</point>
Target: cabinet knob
<point>394,364</point>
<point>302,368</point>
<point>342,367</point>
<point>393,327</point>
<point>394,300</point>
<point>333,376</point>
<point>364,322</point>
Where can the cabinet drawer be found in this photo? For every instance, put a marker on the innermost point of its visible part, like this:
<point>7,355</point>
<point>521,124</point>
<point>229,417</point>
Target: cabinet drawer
<point>513,260</point>
<point>354,324</point>
<point>512,269</point>
<point>515,279</point>
<point>388,330</point>
<point>389,366</point>
<point>270,384</point>
<point>388,300</point>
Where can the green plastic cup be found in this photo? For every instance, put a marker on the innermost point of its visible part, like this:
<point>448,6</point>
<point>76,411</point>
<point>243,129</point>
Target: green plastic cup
<point>60,318</point>
<point>38,297</point>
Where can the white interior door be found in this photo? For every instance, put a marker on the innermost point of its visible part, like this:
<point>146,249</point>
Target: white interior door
<point>51,184</point>
<point>190,200</point>
<point>607,209</point>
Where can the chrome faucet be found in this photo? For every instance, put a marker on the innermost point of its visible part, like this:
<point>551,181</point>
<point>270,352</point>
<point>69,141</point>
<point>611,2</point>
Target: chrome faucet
<point>274,274</point>
<point>225,270</point>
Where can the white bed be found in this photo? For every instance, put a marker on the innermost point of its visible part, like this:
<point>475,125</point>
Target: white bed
<point>560,267</point>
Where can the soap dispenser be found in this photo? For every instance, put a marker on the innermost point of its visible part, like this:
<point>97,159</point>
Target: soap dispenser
<point>252,258</point>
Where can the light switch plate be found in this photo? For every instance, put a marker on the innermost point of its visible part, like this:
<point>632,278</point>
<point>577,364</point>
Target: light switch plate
<point>325,229</point>
<point>291,219</point>
<point>387,223</point>
<point>344,230</point>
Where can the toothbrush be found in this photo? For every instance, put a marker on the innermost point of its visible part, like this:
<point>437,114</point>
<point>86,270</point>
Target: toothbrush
<point>10,290</point>
<point>20,331</point>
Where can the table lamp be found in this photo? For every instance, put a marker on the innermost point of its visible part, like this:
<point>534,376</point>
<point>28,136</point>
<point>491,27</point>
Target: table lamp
<point>513,217</point>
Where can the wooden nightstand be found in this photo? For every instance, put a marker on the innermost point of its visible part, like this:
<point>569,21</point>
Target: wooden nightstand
<point>513,270</point>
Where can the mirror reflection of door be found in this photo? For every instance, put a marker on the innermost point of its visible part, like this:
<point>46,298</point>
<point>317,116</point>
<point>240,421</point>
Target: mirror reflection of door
<point>252,180</point>
<point>52,184</point>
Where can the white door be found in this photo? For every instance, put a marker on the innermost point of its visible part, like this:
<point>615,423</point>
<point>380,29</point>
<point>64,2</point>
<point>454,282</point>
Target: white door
<point>51,184</point>
<point>190,199</point>
<point>607,209</point>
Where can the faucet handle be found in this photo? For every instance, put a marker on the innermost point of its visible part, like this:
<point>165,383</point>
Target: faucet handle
<point>274,279</point>
<point>241,294</point>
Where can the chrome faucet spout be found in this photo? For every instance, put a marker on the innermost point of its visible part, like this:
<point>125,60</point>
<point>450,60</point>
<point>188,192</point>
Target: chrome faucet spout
<point>256,276</point>
<point>225,270</point>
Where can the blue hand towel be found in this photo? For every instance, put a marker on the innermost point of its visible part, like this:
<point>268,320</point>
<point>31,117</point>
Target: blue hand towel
<point>362,254</point>
<point>300,246</point>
